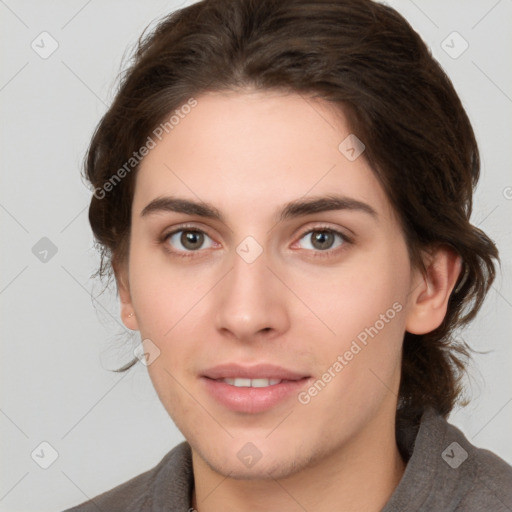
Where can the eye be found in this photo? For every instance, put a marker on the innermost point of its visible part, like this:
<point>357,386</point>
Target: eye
<point>191,240</point>
<point>324,239</point>
<point>186,241</point>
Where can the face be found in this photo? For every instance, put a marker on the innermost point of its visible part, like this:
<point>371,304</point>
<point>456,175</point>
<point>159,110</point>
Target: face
<point>313,298</point>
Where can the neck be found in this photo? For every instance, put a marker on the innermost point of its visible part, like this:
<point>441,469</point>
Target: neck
<point>360,475</point>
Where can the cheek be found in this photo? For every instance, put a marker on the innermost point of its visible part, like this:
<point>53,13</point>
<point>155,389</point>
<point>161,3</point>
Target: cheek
<point>355,296</point>
<point>160,292</point>
<point>364,307</point>
<point>170,312</point>
<point>156,306</point>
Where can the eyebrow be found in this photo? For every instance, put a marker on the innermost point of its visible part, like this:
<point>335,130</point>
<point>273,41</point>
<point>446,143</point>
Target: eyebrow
<point>293,209</point>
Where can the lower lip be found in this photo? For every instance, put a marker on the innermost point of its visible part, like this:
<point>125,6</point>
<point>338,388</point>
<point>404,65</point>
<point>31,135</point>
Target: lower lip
<point>253,400</point>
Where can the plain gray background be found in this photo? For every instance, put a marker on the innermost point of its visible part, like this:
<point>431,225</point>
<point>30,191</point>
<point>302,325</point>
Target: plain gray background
<point>60,337</point>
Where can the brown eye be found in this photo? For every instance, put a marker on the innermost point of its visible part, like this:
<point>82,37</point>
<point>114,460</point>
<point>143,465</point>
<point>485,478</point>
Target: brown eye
<point>188,239</point>
<point>324,239</point>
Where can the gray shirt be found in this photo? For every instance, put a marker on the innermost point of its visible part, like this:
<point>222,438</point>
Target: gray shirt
<point>444,473</point>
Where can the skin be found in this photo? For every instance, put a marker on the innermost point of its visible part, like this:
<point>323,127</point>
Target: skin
<point>248,153</point>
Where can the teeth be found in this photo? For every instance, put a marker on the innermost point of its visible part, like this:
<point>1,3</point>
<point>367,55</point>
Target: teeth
<point>251,383</point>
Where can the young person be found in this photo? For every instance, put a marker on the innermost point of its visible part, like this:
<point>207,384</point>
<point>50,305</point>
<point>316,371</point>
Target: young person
<point>282,190</point>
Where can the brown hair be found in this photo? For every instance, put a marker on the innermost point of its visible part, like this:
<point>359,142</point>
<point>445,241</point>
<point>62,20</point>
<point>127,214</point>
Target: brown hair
<point>365,59</point>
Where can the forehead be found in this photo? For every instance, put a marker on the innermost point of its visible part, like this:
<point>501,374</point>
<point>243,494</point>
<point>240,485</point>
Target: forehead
<point>251,151</point>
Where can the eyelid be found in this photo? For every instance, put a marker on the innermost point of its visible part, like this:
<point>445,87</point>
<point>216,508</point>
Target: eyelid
<point>327,227</point>
<point>184,227</point>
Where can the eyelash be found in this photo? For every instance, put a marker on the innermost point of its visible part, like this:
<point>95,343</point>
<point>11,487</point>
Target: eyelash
<point>316,253</point>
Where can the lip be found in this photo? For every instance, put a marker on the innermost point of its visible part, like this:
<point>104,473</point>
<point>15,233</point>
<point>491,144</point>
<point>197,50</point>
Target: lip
<point>252,400</point>
<point>258,371</point>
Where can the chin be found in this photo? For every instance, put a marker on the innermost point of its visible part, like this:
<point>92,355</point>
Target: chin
<point>270,466</point>
<point>273,471</point>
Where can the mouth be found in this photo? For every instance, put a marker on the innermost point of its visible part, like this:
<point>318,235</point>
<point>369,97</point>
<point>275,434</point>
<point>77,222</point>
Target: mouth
<point>240,382</point>
<point>252,389</point>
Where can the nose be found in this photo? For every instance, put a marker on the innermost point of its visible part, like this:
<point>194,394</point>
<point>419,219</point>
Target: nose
<point>252,303</point>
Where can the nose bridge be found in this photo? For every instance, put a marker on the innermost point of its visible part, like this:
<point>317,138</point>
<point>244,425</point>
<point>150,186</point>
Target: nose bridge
<point>250,300</point>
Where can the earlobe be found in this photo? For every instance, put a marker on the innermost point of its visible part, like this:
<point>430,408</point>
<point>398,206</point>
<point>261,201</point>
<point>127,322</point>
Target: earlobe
<point>127,311</point>
<point>428,302</point>
<point>129,319</point>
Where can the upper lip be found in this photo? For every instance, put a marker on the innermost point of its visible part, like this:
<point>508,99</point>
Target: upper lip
<point>258,371</point>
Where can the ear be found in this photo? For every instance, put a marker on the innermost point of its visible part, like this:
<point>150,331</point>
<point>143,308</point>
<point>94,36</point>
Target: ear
<point>428,301</point>
<point>123,288</point>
